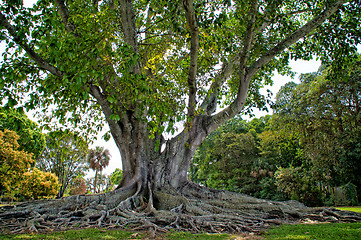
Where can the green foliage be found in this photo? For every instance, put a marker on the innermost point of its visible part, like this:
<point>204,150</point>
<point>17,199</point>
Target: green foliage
<point>91,51</point>
<point>299,184</point>
<point>350,191</point>
<point>37,184</point>
<point>116,176</point>
<point>78,186</point>
<point>310,146</point>
<point>325,117</point>
<point>31,140</point>
<point>13,162</point>
<point>65,155</point>
<point>230,159</point>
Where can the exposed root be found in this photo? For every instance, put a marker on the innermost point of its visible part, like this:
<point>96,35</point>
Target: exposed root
<point>197,209</point>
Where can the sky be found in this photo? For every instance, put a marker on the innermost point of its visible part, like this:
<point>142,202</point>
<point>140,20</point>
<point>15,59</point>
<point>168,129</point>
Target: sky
<point>297,66</point>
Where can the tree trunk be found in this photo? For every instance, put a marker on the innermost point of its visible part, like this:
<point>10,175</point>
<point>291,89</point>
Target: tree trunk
<point>95,181</point>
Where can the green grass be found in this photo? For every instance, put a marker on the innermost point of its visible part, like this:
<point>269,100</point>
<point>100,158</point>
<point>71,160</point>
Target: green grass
<point>111,234</point>
<point>326,231</point>
<point>76,234</point>
<point>323,231</point>
<point>353,209</point>
<point>186,235</point>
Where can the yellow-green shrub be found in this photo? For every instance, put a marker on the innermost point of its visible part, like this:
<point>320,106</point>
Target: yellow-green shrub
<point>13,163</point>
<point>38,184</point>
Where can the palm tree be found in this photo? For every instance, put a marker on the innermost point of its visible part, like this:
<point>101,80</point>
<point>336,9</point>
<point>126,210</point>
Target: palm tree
<point>98,159</point>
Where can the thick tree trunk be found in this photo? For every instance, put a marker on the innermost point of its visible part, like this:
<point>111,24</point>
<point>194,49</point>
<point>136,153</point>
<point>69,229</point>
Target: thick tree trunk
<point>147,166</point>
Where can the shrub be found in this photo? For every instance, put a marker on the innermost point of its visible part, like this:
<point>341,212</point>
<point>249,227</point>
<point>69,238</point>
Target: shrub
<point>39,185</point>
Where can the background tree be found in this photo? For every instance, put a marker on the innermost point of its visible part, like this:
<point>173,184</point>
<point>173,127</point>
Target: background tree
<point>31,140</point>
<point>151,67</point>
<point>78,186</point>
<point>321,115</point>
<point>65,155</point>
<point>116,177</point>
<point>225,158</point>
<point>98,159</point>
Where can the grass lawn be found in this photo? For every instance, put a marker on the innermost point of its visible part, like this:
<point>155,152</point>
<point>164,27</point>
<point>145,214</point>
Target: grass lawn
<point>322,231</point>
<point>353,209</point>
<point>113,234</point>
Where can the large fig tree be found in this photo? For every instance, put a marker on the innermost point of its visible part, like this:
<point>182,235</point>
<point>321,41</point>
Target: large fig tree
<point>163,75</point>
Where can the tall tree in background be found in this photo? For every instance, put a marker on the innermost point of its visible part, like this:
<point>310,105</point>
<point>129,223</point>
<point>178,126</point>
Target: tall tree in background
<point>150,67</point>
<point>65,155</point>
<point>31,140</point>
<point>98,159</point>
<point>324,112</point>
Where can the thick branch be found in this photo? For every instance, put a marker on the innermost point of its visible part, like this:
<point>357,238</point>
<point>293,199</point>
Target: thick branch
<point>102,101</point>
<point>129,29</point>
<point>192,23</point>
<point>234,108</point>
<point>209,104</point>
<point>237,105</point>
<point>64,14</point>
<point>295,36</point>
<point>42,63</point>
<point>248,40</point>
<point>128,23</point>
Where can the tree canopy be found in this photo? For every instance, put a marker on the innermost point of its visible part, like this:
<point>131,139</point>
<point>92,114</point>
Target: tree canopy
<point>158,56</point>
<point>32,140</point>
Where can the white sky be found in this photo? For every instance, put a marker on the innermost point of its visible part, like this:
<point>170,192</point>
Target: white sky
<point>299,67</point>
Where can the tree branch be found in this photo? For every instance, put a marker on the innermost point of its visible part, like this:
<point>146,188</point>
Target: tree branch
<point>209,104</point>
<point>64,14</point>
<point>102,101</point>
<point>128,23</point>
<point>42,63</point>
<point>248,40</point>
<point>237,105</point>
<point>295,36</point>
<point>192,23</point>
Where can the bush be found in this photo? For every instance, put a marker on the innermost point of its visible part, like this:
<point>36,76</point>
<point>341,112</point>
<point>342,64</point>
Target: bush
<point>299,185</point>
<point>39,185</point>
<point>78,187</point>
<point>13,162</point>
